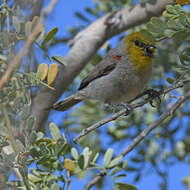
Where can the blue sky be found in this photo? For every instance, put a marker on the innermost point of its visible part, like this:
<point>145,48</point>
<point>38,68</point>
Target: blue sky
<point>63,17</point>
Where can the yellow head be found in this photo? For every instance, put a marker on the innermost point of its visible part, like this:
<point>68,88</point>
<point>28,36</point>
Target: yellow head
<point>140,51</point>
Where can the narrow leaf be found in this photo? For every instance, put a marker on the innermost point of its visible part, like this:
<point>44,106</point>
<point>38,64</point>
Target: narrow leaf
<point>82,17</point>
<point>86,154</point>
<point>49,36</point>
<point>95,157</point>
<point>115,170</point>
<point>59,59</point>
<point>125,186</point>
<point>115,162</point>
<point>28,28</point>
<point>40,35</point>
<point>16,24</point>
<point>54,131</point>
<point>81,161</point>
<point>119,176</point>
<point>107,157</point>
<point>74,153</point>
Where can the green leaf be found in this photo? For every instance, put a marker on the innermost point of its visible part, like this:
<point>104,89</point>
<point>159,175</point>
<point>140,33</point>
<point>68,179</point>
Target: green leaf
<point>115,162</point>
<point>28,28</point>
<point>16,24</point>
<point>33,137</point>
<point>124,164</point>
<point>135,159</point>
<point>74,153</point>
<point>137,177</point>
<point>59,59</point>
<point>131,169</point>
<point>81,161</point>
<point>54,131</point>
<point>34,179</point>
<point>66,149</point>
<point>40,135</point>
<point>185,56</point>
<point>55,186</point>
<point>175,10</point>
<point>107,157</point>
<point>34,152</point>
<point>59,147</point>
<point>86,154</point>
<point>188,19</point>
<point>49,36</point>
<point>40,35</point>
<point>20,146</point>
<point>156,26</point>
<point>174,25</point>
<point>91,11</point>
<point>183,20</point>
<point>115,170</point>
<point>180,35</point>
<point>180,149</point>
<point>148,35</point>
<point>30,122</point>
<point>125,186</point>
<point>82,17</point>
<point>95,157</point>
<point>119,176</point>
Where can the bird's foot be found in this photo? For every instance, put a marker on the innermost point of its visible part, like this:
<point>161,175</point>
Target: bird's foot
<point>128,108</point>
<point>154,95</point>
<point>110,107</point>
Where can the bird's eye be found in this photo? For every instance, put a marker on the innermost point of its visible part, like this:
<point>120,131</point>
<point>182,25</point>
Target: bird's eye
<point>139,44</point>
<point>149,50</point>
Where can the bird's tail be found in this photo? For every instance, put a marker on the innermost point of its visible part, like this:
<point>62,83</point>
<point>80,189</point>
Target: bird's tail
<point>67,103</point>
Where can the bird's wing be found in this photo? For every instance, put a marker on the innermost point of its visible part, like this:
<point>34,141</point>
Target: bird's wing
<point>107,65</point>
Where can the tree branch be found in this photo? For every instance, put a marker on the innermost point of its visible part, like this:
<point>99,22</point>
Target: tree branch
<point>122,112</point>
<point>94,180</point>
<point>86,43</point>
<point>169,112</point>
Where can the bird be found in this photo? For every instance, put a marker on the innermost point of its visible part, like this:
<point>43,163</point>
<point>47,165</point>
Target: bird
<point>121,75</point>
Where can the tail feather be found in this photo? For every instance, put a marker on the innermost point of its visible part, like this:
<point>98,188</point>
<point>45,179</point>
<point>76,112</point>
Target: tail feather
<point>67,103</point>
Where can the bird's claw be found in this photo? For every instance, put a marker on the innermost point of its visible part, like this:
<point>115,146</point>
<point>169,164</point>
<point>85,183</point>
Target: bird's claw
<point>153,94</point>
<point>128,108</point>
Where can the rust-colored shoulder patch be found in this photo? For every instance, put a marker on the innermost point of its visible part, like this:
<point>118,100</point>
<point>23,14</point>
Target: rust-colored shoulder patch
<point>117,57</point>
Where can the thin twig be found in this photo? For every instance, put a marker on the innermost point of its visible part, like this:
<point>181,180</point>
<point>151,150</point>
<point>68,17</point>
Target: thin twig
<point>68,180</point>
<point>17,60</point>
<point>94,180</point>
<point>9,129</point>
<point>169,112</point>
<point>122,112</point>
<point>11,139</point>
<point>143,134</point>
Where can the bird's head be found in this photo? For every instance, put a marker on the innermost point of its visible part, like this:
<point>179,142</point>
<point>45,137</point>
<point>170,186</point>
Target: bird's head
<point>140,51</point>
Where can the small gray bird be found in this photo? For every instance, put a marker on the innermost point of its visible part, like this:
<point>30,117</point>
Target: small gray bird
<point>119,77</point>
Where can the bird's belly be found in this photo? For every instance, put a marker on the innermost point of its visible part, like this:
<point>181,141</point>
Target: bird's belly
<point>115,90</point>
